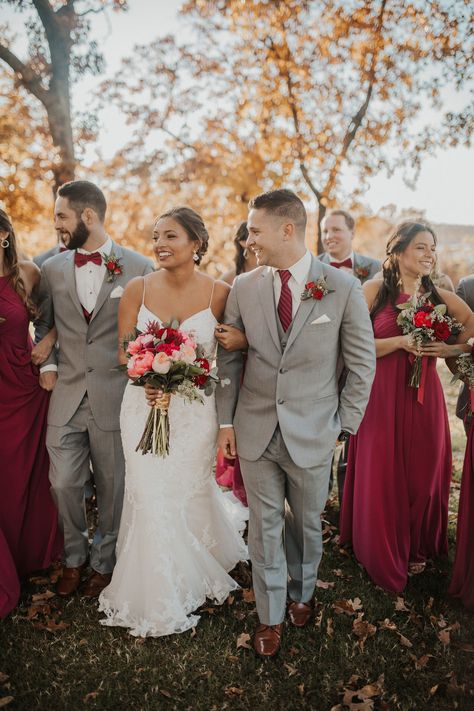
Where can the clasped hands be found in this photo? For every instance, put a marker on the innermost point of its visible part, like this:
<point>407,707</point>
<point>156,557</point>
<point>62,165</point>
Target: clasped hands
<point>436,349</point>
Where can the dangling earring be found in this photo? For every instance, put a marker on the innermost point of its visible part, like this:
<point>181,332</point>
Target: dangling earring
<point>245,253</point>
<point>5,243</point>
<point>195,257</point>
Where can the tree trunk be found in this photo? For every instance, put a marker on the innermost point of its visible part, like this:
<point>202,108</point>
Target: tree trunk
<point>319,235</point>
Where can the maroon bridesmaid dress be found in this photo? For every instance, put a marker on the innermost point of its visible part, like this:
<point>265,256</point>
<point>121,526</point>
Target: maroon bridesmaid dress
<point>462,581</point>
<point>395,505</point>
<point>29,535</point>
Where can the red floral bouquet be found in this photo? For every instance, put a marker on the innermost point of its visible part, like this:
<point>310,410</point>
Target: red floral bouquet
<point>465,372</point>
<point>171,360</point>
<point>426,323</point>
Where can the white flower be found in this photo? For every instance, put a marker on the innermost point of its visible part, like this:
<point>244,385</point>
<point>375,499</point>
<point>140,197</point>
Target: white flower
<point>161,363</point>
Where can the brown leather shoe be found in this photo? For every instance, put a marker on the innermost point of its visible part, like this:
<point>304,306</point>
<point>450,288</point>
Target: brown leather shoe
<point>267,640</point>
<point>299,613</point>
<point>95,583</point>
<point>69,580</point>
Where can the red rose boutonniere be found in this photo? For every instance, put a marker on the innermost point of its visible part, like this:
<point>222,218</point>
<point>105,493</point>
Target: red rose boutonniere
<point>112,265</point>
<point>361,272</point>
<point>316,290</point>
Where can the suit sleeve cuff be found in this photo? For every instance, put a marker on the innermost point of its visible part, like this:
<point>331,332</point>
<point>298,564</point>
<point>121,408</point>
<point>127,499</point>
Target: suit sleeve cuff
<point>49,368</point>
<point>222,427</point>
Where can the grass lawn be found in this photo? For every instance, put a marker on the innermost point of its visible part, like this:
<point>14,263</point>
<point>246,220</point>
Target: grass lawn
<point>365,650</point>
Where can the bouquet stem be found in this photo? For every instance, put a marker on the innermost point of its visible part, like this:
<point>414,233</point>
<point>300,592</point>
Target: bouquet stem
<point>156,435</point>
<point>415,373</point>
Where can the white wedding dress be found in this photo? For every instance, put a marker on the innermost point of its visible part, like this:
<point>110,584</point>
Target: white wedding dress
<point>179,533</point>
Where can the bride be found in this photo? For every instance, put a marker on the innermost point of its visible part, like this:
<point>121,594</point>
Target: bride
<point>179,534</point>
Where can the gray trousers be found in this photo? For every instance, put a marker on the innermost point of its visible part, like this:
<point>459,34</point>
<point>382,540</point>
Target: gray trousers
<point>70,447</point>
<point>285,538</point>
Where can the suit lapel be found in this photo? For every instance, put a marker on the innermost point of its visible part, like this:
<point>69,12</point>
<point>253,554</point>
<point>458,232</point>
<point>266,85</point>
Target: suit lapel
<point>70,278</point>
<point>267,299</point>
<point>307,306</point>
<point>107,286</point>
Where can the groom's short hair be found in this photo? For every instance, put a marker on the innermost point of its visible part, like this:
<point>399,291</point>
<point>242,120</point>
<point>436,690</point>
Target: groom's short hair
<point>82,194</point>
<point>284,203</point>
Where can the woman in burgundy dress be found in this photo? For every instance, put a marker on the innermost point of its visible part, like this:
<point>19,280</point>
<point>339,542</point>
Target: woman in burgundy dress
<point>395,506</point>
<point>228,472</point>
<point>29,536</point>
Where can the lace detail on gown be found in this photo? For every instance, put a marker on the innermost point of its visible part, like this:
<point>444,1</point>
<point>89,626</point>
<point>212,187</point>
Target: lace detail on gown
<point>179,533</point>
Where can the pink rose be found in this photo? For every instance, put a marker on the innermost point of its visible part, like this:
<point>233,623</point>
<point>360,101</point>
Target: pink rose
<point>187,354</point>
<point>134,347</point>
<point>140,364</point>
<point>161,363</point>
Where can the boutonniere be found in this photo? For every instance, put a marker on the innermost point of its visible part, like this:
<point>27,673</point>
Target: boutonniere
<point>316,290</point>
<point>361,272</point>
<point>112,265</point>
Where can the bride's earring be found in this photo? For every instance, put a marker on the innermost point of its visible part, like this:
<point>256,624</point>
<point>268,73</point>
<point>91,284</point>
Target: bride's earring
<point>196,257</point>
<point>5,243</point>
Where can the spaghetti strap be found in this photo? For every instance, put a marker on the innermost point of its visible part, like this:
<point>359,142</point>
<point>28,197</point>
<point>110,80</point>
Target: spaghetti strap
<point>143,295</point>
<point>212,294</point>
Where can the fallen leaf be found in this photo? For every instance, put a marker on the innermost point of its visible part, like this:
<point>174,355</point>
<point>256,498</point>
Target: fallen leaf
<point>406,642</point>
<point>90,695</point>
<point>39,580</point>
<point>233,691</point>
<point>324,585</point>
<point>318,618</point>
<point>290,669</point>
<point>444,637</point>
<point>301,689</point>
<point>165,692</point>
<point>434,689</point>
<point>40,597</point>
<point>423,661</point>
<point>347,607</point>
<point>388,625</point>
<point>248,595</point>
<point>330,627</point>
<point>400,605</point>
<point>363,629</point>
<point>5,701</point>
<point>232,658</point>
<point>243,641</point>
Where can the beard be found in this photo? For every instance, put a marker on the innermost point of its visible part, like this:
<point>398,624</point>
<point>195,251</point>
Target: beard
<point>77,238</point>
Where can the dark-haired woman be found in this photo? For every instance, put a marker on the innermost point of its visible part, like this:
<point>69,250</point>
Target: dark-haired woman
<point>29,535</point>
<point>395,506</point>
<point>228,472</point>
<point>179,534</point>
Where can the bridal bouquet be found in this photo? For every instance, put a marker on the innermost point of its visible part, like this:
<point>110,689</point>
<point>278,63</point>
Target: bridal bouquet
<point>465,372</point>
<point>426,323</point>
<point>169,359</point>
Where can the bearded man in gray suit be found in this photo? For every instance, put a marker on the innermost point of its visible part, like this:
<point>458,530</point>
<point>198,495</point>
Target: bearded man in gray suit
<point>286,417</point>
<point>80,292</point>
<point>465,290</point>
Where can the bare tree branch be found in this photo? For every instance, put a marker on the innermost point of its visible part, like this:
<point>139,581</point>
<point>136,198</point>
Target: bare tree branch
<point>30,80</point>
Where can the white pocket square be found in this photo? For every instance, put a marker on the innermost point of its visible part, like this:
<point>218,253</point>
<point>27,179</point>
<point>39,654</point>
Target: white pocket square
<point>321,319</point>
<point>117,292</point>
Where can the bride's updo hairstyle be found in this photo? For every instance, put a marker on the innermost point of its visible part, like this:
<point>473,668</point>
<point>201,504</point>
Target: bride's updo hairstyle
<point>396,245</point>
<point>194,226</point>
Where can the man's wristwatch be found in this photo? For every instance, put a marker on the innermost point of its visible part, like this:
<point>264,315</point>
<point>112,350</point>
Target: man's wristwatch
<point>343,436</point>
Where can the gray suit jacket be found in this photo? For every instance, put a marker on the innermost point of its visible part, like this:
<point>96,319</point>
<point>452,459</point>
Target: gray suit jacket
<point>465,290</point>
<point>297,387</point>
<point>87,352</point>
<point>364,268</point>
<point>41,258</point>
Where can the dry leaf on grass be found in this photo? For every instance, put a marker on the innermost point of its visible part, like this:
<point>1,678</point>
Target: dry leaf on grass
<point>165,692</point>
<point>90,696</point>
<point>363,629</point>
<point>39,580</point>
<point>387,624</point>
<point>290,669</point>
<point>233,691</point>
<point>400,605</point>
<point>347,607</point>
<point>324,585</point>
<point>422,661</point>
<point>362,699</point>
<point>404,640</point>
<point>43,596</point>
<point>5,701</point>
<point>243,641</point>
<point>330,627</point>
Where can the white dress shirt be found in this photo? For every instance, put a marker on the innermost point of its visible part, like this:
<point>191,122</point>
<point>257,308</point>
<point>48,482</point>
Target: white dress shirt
<point>90,277</point>
<point>299,277</point>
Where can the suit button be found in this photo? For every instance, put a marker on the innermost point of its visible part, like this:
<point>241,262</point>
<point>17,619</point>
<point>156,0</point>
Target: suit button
<point>283,345</point>
<point>280,401</point>
<point>283,370</point>
<point>91,340</point>
<point>89,370</point>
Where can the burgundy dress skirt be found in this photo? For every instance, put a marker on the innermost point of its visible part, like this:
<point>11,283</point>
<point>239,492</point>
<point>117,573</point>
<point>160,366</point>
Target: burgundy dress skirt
<point>395,505</point>
<point>462,581</point>
<point>29,534</point>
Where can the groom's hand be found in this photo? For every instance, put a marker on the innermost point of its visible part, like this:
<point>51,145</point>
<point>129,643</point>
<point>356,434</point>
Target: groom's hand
<point>48,379</point>
<point>226,442</point>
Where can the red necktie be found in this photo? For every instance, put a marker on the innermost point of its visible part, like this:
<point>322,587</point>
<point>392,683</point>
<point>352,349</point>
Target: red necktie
<point>346,263</point>
<point>81,259</point>
<point>285,309</point>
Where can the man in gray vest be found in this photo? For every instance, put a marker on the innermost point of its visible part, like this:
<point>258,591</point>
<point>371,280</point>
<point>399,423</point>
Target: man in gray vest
<point>465,290</point>
<point>337,235</point>
<point>80,293</point>
<point>300,318</point>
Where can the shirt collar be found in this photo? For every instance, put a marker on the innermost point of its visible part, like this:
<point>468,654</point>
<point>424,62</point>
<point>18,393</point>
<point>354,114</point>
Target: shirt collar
<point>300,270</point>
<point>103,250</point>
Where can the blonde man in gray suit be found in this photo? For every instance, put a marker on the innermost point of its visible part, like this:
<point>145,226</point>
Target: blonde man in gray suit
<point>80,294</point>
<point>286,417</point>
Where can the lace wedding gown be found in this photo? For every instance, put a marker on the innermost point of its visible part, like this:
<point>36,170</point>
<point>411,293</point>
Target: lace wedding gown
<point>179,533</point>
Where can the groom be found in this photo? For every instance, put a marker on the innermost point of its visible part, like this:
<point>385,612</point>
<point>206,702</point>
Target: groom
<point>80,294</point>
<point>288,414</point>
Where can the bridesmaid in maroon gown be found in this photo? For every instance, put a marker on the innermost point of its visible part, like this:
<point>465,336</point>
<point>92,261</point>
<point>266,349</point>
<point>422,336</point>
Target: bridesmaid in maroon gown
<point>395,505</point>
<point>29,535</point>
<point>462,581</point>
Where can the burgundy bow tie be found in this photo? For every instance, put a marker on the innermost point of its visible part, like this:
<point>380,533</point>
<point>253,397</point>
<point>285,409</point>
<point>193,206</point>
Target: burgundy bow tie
<point>63,249</point>
<point>81,259</point>
<point>346,263</point>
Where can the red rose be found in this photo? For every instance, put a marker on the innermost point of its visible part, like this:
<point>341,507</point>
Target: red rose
<point>117,270</point>
<point>421,318</point>
<point>427,308</point>
<point>167,348</point>
<point>310,285</point>
<point>441,331</point>
<point>317,294</point>
<point>200,380</point>
<point>110,266</point>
